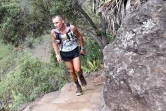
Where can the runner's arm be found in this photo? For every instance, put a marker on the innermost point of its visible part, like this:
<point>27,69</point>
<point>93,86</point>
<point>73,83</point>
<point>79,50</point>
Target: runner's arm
<point>80,38</point>
<point>78,35</point>
<point>55,46</point>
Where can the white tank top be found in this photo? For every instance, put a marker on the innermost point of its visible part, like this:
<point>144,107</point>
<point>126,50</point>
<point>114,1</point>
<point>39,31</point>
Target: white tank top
<point>67,45</point>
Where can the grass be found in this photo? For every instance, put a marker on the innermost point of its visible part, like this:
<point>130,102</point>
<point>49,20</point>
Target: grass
<point>6,57</point>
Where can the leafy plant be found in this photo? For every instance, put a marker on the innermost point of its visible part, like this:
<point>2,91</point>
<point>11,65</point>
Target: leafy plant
<point>92,51</point>
<point>18,99</point>
<point>91,66</point>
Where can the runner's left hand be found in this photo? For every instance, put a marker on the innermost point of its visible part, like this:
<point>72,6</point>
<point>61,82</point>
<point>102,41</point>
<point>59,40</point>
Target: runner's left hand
<point>82,52</point>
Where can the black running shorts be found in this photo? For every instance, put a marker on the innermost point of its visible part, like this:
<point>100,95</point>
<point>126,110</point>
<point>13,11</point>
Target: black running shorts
<point>67,56</point>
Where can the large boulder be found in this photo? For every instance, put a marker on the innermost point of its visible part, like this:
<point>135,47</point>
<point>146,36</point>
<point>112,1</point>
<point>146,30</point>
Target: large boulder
<point>135,63</point>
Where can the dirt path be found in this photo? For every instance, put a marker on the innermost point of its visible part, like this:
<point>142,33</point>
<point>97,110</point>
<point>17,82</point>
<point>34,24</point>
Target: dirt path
<point>66,99</point>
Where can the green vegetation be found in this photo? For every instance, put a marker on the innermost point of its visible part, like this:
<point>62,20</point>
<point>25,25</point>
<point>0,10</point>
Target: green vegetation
<point>93,55</point>
<point>29,79</point>
<point>12,23</point>
<point>6,57</point>
<point>23,77</point>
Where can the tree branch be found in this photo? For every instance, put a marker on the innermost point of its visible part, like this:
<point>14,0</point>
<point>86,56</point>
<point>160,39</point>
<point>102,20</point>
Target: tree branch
<point>96,38</point>
<point>78,6</point>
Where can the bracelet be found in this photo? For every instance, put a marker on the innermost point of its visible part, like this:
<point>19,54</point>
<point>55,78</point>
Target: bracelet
<point>57,55</point>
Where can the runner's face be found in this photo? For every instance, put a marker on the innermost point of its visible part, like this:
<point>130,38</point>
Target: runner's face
<point>58,23</point>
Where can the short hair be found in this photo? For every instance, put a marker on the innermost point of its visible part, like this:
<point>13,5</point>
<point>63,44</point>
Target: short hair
<point>59,16</point>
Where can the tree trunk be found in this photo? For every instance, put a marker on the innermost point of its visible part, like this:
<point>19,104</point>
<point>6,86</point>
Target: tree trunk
<point>101,41</point>
<point>103,31</point>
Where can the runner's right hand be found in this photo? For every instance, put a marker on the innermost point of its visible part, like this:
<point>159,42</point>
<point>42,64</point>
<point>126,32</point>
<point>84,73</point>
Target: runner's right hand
<point>59,59</point>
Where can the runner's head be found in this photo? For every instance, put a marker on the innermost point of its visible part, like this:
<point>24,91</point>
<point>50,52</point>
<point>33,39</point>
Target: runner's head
<point>58,21</point>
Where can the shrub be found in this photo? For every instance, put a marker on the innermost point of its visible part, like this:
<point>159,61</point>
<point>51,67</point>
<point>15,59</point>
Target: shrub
<point>29,79</point>
<point>6,57</point>
<point>12,25</point>
<point>93,55</point>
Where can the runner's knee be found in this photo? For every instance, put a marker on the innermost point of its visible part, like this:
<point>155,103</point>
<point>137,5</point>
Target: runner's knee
<point>78,70</point>
<point>71,71</point>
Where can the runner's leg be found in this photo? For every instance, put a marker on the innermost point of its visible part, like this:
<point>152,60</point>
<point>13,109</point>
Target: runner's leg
<point>77,68</point>
<point>70,68</point>
<point>73,75</point>
<point>77,65</point>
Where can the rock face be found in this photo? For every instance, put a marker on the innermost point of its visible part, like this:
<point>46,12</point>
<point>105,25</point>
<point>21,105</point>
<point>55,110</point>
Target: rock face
<point>135,63</point>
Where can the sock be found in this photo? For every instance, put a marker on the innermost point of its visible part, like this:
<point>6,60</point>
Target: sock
<point>81,76</point>
<point>77,83</point>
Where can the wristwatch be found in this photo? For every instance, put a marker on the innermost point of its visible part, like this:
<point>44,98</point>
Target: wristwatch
<point>82,48</point>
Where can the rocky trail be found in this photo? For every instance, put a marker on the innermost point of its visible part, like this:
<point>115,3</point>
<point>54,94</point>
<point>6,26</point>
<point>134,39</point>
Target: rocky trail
<point>66,99</point>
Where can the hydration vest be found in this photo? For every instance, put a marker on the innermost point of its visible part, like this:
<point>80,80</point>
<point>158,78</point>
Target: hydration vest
<point>70,35</point>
